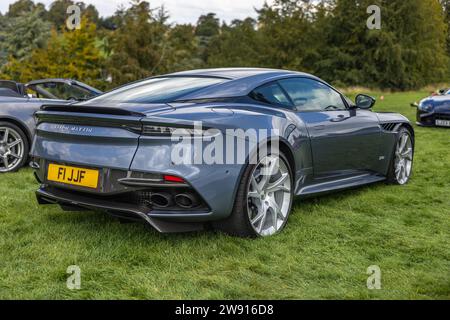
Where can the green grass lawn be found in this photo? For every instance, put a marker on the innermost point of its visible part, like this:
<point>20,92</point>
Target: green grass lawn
<point>323,253</point>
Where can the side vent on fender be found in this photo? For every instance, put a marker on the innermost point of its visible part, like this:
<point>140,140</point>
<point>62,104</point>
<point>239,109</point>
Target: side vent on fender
<point>390,127</point>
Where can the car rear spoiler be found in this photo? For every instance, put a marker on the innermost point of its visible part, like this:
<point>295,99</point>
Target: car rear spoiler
<point>91,110</point>
<point>92,116</point>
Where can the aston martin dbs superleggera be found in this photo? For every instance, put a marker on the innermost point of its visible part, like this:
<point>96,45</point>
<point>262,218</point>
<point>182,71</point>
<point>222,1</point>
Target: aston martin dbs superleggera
<point>119,152</point>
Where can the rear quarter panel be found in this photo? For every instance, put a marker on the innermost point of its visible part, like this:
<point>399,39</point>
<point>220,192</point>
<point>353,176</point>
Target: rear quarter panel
<point>218,183</point>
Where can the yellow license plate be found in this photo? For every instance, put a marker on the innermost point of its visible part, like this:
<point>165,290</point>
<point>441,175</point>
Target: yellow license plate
<point>73,176</point>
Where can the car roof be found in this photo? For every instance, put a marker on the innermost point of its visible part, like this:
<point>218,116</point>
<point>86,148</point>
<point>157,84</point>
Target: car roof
<point>241,81</point>
<point>235,73</point>
<point>238,82</point>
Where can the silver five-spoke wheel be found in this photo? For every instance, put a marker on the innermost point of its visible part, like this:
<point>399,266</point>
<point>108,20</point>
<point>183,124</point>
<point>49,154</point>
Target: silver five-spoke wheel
<point>12,149</point>
<point>403,158</point>
<point>269,196</point>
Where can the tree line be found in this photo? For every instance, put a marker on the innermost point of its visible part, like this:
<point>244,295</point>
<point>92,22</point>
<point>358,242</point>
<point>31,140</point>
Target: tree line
<point>328,38</point>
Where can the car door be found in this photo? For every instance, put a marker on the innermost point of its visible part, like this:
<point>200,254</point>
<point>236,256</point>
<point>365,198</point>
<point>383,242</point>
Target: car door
<point>344,140</point>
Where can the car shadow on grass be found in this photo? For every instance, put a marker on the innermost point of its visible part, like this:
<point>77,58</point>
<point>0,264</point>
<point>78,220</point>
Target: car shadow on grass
<point>98,222</point>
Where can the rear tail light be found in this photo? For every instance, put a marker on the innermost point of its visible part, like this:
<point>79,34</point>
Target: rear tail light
<point>151,130</point>
<point>175,179</point>
<point>167,131</point>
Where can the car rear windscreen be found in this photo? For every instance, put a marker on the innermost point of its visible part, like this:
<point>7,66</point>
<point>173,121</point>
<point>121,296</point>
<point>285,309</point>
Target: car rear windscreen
<point>157,90</point>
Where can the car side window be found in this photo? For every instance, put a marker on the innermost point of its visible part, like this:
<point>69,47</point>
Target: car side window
<point>312,95</point>
<point>64,91</point>
<point>271,93</point>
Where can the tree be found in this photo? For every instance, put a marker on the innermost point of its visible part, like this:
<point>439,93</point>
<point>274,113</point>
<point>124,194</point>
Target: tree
<point>422,34</point>
<point>446,6</point>
<point>139,46</point>
<point>22,32</point>
<point>22,7</point>
<point>58,15</point>
<point>408,52</point>
<point>343,42</point>
<point>207,27</point>
<point>90,12</point>
<point>71,54</point>
<point>3,50</point>
<point>184,46</point>
<point>239,44</point>
<point>328,38</point>
<point>286,30</point>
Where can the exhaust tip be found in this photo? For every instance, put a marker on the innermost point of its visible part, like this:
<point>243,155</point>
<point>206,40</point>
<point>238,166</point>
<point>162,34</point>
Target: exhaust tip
<point>186,201</point>
<point>161,200</point>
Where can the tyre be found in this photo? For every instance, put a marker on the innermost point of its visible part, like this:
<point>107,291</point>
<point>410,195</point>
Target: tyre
<point>14,147</point>
<point>402,160</point>
<point>263,200</point>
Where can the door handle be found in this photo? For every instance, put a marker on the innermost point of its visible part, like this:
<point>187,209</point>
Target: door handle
<point>319,127</point>
<point>340,118</point>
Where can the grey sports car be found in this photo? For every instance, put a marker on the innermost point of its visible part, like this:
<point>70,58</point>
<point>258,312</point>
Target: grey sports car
<point>227,148</point>
<point>19,102</point>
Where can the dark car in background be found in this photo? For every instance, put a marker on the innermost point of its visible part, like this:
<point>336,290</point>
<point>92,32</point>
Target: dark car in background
<point>115,152</point>
<point>19,102</point>
<point>434,110</point>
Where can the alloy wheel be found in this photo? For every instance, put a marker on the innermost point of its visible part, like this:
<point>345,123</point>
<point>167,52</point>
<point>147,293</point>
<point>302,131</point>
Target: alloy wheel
<point>403,158</point>
<point>11,149</point>
<point>269,196</point>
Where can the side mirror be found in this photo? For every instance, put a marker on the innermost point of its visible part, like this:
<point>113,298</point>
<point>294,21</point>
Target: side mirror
<point>364,101</point>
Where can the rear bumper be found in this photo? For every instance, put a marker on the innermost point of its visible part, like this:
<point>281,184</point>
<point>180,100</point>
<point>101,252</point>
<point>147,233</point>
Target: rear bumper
<point>214,185</point>
<point>164,222</point>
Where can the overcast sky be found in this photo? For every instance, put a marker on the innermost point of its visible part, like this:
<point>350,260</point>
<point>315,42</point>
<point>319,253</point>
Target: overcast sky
<point>180,11</point>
